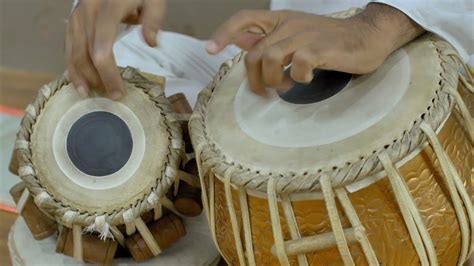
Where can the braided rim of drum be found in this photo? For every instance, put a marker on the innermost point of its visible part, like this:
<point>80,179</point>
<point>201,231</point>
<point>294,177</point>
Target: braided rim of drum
<point>411,139</point>
<point>56,208</point>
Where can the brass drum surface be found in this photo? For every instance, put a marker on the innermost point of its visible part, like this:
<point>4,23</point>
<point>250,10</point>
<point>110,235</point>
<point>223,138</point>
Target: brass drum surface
<point>376,207</point>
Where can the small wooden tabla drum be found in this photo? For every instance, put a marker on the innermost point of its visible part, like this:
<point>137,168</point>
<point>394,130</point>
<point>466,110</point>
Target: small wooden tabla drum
<point>370,169</point>
<point>98,166</point>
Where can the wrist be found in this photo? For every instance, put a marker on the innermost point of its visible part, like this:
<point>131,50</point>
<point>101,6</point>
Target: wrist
<point>387,28</point>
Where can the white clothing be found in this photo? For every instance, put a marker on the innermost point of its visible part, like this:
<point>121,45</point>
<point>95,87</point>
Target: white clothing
<point>451,19</point>
<point>183,60</point>
<point>188,68</point>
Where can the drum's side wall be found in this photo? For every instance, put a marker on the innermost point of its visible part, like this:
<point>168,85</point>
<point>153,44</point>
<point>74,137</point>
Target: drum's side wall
<point>376,207</point>
<point>469,100</point>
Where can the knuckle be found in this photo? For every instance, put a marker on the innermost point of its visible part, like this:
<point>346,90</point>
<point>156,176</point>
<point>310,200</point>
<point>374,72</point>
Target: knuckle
<point>272,55</point>
<point>81,63</point>
<point>76,57</point>
<point>99,59</point>
<point>252,58</point>
<point>301,59</point>
<point>297,75</point>
<point>271,79</point>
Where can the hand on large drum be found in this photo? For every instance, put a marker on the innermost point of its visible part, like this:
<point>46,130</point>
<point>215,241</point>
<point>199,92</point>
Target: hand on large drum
<point>275,39</point>
<point>90,35</point>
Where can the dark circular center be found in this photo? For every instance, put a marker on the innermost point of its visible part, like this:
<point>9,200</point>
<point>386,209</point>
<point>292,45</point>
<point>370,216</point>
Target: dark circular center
<point>325,84</point>
<point>99,143</point>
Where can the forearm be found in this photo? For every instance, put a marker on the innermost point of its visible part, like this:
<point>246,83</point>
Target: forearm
<point>389,27</point>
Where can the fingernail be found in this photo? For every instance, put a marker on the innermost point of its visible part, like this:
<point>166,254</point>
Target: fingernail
<point>308,77</point>
<point>212,47</point>
<point>82,91</point>
<point>153,36</point>
<point>115,95</point>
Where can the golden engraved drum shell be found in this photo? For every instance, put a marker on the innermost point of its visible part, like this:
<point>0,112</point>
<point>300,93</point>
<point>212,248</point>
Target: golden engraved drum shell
<point>376,208</point>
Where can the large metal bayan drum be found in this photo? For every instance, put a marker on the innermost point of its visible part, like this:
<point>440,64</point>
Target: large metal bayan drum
<point>102,167</point>
<point>351,170</point>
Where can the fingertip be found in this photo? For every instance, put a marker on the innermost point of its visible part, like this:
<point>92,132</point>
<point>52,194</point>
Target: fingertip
<point>258,89</point>
<point>212,47</point>
<point>83,91</point>
<point>150,37</point>
<point>115,95</point>
<point>286,85</point>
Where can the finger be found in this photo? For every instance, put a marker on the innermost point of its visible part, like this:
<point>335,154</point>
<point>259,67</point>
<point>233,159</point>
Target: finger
<point>107,22</point>
<point>303,63</point>
<point>80,55</point>
<point>132,18</point>
<point>88,11</point>
<point>238,24</point>
<point>247,40</point>
<point>253,64</point>
<point>277,56</point>
<point>74,76</point>
<point>152,18</point>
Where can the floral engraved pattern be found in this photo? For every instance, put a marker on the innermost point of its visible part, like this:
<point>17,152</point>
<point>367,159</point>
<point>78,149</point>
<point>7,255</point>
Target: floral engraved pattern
<point>376,207</point>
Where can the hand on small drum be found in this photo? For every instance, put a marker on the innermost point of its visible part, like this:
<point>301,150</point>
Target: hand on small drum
<point>90,36</point>
<point>275,39</point>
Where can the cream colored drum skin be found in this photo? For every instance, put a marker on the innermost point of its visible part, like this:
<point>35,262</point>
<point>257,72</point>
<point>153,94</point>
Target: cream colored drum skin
<point>389,183</point>
<point>98,166</point>
<point>98,193</point>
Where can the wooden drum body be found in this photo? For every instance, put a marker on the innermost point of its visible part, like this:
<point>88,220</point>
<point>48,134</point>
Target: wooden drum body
<point>333,182</point>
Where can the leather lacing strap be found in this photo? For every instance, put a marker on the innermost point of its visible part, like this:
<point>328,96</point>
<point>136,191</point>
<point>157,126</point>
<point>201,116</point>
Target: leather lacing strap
<point>207,202</point>
<point>22,201</point>
<point>212,216</point>
<point>467,70</point>
<point>157,211</point>
<point>128,219</point>
<point>244,209</point>
<point>457,191</point>
<point>469,121</point>
<point>168,204</point>
<point>147,236</point>
<point>292,225</point>
<point>117,235</point>
<point>77,242</point>
<point>359,230</point>
<point>276,225</point>
<point>466,84</point>
<point>233,216</point>
<point>418,233</point>
<point>188,178</point>
<point>335,220</point>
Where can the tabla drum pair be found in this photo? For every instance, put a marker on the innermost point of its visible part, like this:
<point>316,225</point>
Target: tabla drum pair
<point>375,170</point>
<point>109,176</point>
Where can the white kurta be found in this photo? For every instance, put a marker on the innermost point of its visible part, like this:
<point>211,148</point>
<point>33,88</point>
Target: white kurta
<point>451,19</point>
<point>188,68</point>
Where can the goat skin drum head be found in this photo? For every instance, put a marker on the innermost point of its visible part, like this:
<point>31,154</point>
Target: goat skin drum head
<point>96,154</point>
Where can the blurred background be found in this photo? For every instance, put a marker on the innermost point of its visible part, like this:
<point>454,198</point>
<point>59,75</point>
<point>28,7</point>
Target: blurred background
<point>32,54</point>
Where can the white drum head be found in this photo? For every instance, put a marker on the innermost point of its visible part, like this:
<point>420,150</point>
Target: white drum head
<point>273,136</point>
<point>97,155</point>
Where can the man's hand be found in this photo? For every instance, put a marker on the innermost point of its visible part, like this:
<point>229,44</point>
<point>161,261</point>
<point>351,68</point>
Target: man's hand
<point>275,39</point>
<point>90,35</point>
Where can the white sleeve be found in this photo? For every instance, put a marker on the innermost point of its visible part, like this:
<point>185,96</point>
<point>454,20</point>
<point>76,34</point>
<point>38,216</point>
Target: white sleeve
<point>451,19</point>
